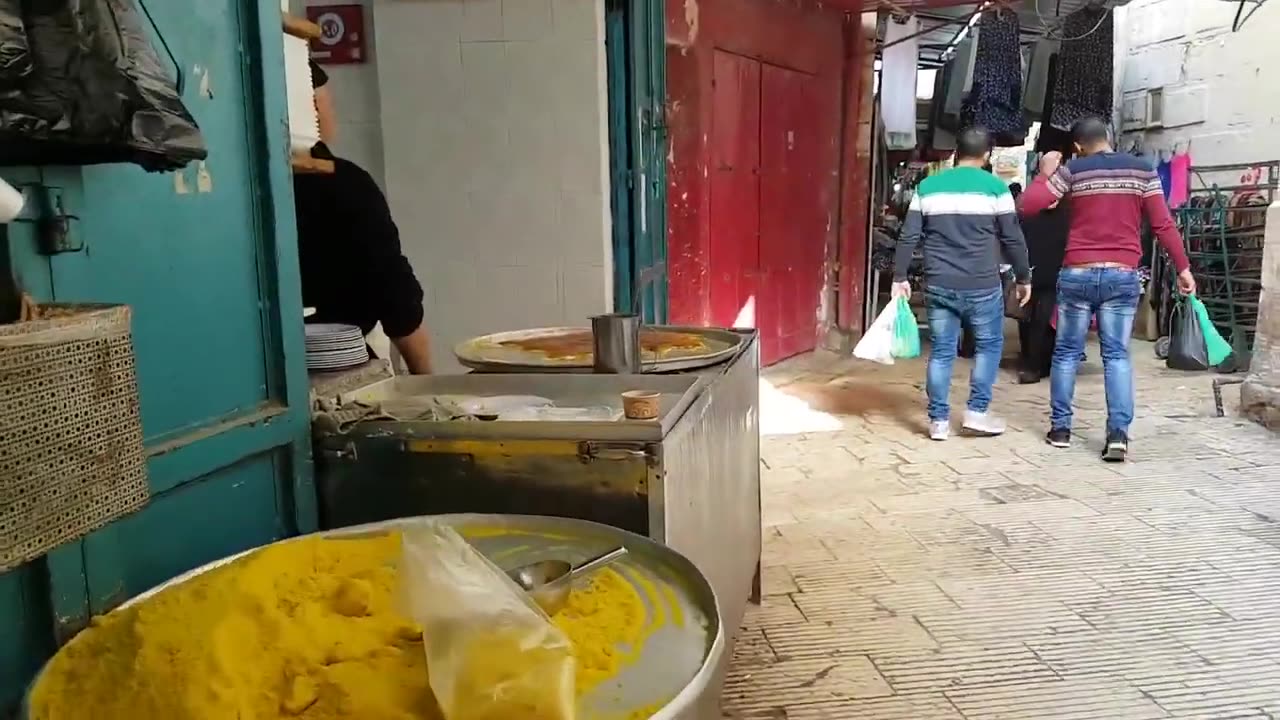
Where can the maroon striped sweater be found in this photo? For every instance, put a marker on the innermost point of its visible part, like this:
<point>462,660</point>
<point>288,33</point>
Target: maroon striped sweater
<point>1110,194</point>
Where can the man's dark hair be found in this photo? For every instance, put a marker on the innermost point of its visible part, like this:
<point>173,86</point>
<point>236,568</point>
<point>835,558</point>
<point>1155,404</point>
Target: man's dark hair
<point>1090,131</point>
<point>972,143</point>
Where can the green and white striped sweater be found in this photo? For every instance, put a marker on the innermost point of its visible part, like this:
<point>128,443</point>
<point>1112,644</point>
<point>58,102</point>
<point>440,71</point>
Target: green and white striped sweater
<point>966,220</point>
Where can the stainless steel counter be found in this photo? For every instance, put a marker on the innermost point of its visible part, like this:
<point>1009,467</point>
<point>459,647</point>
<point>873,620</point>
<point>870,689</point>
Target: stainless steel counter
<point>690,480</point>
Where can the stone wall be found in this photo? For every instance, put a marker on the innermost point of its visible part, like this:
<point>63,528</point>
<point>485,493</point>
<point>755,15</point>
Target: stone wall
<point>1260,395</point>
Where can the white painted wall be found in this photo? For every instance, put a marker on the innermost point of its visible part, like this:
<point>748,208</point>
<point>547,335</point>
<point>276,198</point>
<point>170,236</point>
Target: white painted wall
<point>495,159</point>
<point>1215,92</point>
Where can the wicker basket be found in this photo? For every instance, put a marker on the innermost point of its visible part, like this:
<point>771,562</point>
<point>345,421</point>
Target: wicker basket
<point>71,457</point>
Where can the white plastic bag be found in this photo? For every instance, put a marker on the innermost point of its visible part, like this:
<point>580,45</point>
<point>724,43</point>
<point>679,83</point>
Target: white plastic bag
<point>876,344</point>
<point>492,654</point>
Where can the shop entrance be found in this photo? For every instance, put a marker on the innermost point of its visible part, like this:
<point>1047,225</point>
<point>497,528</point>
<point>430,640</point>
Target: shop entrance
<point>768,225</point>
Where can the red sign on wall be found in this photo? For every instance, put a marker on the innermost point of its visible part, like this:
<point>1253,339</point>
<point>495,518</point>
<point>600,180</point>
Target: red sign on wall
<point>341,40</point>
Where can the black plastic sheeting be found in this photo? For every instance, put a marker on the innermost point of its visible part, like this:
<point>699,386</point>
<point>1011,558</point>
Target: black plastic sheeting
<point>81,84</point>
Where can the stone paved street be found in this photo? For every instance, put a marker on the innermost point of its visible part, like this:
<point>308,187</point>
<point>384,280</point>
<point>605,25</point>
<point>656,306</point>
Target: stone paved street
<point>1001,579</point>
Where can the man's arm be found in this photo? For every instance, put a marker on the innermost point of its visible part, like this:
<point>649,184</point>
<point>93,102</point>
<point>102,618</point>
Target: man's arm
<point>907,240</point>
<point>1053,182</point>
<point>1012,240</point>
<point>1157,213</point>
<point>415,348</point>
<point>1044,191</point>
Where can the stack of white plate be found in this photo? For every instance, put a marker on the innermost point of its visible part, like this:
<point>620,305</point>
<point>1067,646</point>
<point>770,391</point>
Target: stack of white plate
<point>335,347</point>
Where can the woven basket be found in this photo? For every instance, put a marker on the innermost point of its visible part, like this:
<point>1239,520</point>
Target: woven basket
<point>71,457</point>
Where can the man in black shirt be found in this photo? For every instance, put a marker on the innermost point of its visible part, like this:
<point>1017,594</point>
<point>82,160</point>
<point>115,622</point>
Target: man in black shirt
<point>353,271</point>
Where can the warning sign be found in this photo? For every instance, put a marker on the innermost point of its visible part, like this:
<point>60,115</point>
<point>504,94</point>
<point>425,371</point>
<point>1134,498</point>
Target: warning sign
<point>341,40</point>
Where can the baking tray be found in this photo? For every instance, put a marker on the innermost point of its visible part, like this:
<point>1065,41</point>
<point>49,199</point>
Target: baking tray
<point>483,353</point>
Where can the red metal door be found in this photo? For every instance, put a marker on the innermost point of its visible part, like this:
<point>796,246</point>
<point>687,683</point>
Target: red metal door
<point>734,252</point>
<point>793,212</point>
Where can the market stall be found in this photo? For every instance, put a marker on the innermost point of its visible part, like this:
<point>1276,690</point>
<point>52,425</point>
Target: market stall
<point>556,443</point>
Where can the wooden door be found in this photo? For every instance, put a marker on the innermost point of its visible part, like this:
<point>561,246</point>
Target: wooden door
<point>734,256</point>
<point>207,258</point>
<point>794,217</point>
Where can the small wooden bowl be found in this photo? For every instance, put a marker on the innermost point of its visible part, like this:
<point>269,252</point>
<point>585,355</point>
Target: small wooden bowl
<point>640,404</point>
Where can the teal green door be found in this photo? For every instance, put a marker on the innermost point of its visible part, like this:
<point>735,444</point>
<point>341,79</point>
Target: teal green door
<point>635,44</point>
<point>207,258</point>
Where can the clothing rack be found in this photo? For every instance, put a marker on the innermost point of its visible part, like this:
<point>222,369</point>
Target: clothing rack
<point>1223,226</point>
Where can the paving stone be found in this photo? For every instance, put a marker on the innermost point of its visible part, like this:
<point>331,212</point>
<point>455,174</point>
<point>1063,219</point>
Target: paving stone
<point>961,666</point>
<point>1001,579</point>
<point>1127,653</point>
<point>915,707</point>
<point>1086,698</point>
<point>792,681</point>
<point>777,580</point>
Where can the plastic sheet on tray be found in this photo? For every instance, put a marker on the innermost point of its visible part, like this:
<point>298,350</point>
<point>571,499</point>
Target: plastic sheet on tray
<point>492,653</point>
<point>600,413</point>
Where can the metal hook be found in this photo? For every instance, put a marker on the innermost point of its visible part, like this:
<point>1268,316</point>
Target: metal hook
<point>177,68</point>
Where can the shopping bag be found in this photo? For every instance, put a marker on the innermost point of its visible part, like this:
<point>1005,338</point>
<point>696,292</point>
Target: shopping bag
<point>1218,348</point>
<point>1187,347</point>
<point>906,333</point>
<point>876,344</point>
<point>492,654</point>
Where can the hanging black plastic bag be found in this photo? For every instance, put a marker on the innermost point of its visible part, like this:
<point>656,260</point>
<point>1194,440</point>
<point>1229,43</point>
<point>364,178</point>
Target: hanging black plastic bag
<point>97,92</point>
<point>15,53</point>
<point>1187,347</point>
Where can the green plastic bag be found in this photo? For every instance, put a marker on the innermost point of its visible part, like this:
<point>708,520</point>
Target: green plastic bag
<point>906,333</point>
<point>1219,349</point>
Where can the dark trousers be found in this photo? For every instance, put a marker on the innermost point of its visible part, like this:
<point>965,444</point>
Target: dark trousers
<point>1036,335</point>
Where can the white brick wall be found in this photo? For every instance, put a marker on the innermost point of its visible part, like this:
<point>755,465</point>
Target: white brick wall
<point>495,141</point>
<point>1215,94</point>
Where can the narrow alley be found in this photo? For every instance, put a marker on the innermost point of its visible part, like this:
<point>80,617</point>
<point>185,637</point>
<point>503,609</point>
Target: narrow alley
<point>986,579</point>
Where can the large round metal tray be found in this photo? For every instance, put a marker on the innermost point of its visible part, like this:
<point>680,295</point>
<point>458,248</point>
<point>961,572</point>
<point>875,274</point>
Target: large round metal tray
<point>678,663</point>
<point>486,354</point>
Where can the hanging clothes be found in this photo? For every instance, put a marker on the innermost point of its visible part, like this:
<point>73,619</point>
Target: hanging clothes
<point>1084,86</point>
<point>940,138</point>
<point>1179,179</point>
<point>1035,92</point>
<point>995,102</point>
<point>1164,170</point>
<point>961,80</point>
<point>898,83</point>
<point>1051,138</point>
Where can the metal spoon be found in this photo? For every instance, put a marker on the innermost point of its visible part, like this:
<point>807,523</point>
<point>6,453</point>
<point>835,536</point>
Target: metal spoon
<point>548,582</point>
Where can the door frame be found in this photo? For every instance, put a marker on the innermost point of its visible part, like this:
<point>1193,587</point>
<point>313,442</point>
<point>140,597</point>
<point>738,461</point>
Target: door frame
<point>635,52</point>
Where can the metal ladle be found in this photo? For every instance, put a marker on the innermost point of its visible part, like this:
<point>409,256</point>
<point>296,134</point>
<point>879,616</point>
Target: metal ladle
<point>548,582</point>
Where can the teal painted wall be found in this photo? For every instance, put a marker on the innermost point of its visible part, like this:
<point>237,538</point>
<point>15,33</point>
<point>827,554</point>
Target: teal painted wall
<point>207,258</point>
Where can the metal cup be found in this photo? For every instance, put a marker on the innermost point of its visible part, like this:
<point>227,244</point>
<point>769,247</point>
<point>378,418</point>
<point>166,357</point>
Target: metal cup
<point>616,343</point>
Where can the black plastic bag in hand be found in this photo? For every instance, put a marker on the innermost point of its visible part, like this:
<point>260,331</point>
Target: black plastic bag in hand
<point>1187,347</point>
<point>96,91</point>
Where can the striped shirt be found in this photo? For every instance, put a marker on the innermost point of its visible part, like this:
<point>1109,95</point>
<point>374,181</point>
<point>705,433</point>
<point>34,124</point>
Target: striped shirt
<point>965,220</point>
<point>1110,193</point>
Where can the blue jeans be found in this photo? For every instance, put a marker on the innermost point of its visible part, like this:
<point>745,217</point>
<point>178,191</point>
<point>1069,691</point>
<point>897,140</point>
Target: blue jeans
<point>1112,294</point>
<point>982,311</point>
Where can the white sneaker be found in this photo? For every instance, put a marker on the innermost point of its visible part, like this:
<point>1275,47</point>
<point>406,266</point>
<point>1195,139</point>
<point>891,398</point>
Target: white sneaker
<point>983,424</point>
<point>939,429</point>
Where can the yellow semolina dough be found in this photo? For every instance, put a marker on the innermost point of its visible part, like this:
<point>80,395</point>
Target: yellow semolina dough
<point>307,629</point>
